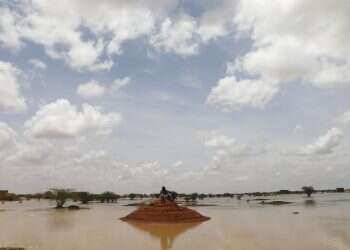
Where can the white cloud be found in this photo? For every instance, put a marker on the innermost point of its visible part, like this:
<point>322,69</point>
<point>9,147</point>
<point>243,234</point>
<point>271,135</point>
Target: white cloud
<point>9,35</point>
<point>91,89</point>
<point>61,119</point>
<point>30,153</point>
<point>62,33</point>
<point>177,36</point>
<point>178,164</point>
<point>117,84</point>
<point>294,46</point>
<point>324,144</point>
<point>60,29</point>
<point>217,22</point>
<point>90,156</point>
<point>11,99</point>
<point>345,117</point>
<point>242,178</point>
<point>298,129</point>
<point>7,135</point>
<point>226,149</point>
<point>219,141</point>
<point>152,167</point>
<point>38,64</point>
<point>233,94</point>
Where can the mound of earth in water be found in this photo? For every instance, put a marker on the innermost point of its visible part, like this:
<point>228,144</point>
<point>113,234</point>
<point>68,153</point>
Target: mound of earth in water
<point>164,212</point>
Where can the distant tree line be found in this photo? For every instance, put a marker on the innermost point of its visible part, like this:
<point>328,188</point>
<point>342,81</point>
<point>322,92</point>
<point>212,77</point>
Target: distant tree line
<point>61,196</point>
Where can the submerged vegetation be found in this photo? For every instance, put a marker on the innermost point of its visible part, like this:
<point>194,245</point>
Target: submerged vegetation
<point>60,196</point>
<point>308,190</point>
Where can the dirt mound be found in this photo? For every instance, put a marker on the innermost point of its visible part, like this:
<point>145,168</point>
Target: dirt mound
<point>164,212</point>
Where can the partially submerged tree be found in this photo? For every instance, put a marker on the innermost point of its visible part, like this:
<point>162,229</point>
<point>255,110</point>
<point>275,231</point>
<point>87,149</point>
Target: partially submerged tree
<point>84,197</point>
<point>61,195</point>
<point>191,197</point>
<point>173,195</point>
<point>48,195</point>
<point>308,190</point>
<point>132,196</point>
<point>194,196</point>
<point>108,197</point>
<point>187,198</point>
<point>201,196</point>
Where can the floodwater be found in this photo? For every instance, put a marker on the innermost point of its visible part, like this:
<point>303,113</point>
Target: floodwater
<point>323,222</point>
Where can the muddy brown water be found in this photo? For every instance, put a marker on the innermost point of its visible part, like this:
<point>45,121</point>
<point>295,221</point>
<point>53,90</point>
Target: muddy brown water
<point>323,223</point>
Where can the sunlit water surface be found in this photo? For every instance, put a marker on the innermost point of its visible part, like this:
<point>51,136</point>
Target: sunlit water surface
<point>323,223</point>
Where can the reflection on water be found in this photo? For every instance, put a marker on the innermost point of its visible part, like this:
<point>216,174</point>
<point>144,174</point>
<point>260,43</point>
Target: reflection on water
<point>310,203</point>
<point>60,219</point>
<point>166,233</point>
<point>322,223</point>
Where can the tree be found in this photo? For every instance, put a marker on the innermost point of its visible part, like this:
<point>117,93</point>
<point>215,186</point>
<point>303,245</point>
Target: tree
<point>173,195</point>
<point>61,195</point>
<point>194,196</point>
<point>108,197</point>
<point>48,195</point>
<point>132,196</point>
<point>84,197</point>
<point>191,197</point>
<point>308,190</point>
<point>201,196</point>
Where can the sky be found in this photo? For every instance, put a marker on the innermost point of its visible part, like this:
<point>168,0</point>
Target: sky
<point>197,95</point>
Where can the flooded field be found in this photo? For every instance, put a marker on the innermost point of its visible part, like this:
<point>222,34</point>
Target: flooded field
<point>318,223</point>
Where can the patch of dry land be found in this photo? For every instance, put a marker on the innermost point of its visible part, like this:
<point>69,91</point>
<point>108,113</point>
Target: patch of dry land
<point>164,212</point>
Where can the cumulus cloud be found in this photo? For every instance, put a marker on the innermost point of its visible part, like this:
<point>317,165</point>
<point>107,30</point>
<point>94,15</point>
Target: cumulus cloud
<point>19,151</point>
<point>217,22</point>
<point>184,34</point>
<point>60,164</point>
<point>294,46</point>
<point>90,89</point>
<point>89,36</point>
<point>144,170</point>
<point>324,144</point>
<point>61,33</point>
<point>30,153</point>
<point>233,94</point>
<point>61,119</point>
<point>177,35</point>
<point>219,141</point>
<point>74,163</point>
<point>7,135</point>
<point>9,34</point>
<point>226,148</point>
<point>117,84</point>
<point>93,88</point>
<point>11,98</point>
<point>38,64</point>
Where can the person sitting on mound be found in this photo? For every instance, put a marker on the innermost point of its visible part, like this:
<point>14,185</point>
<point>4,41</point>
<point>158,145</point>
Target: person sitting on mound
<point>165,195</point>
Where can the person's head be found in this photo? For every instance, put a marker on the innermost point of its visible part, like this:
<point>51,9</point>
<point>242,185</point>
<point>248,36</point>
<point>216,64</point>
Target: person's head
<point>163,188</point>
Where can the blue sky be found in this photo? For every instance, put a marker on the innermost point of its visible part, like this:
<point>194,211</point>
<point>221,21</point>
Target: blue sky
<point>208,96</point>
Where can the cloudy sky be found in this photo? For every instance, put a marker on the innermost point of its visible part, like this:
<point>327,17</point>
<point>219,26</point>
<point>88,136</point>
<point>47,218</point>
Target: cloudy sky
<point>202,95</point>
